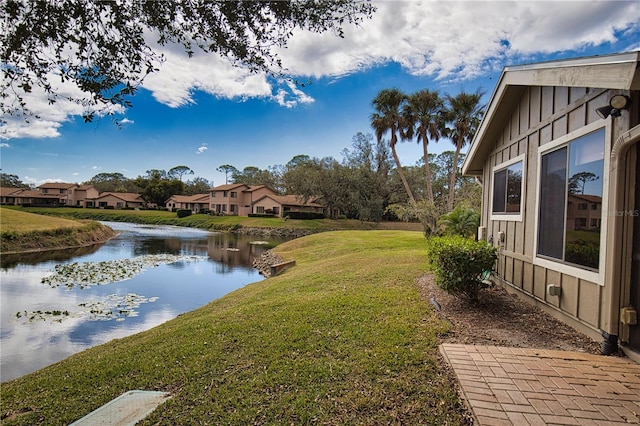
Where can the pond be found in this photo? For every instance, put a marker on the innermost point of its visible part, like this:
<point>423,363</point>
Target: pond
<point>58,303</point>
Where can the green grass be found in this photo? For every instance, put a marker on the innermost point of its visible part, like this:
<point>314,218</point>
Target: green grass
<point>213,223</point>
<point>19,221</point>
<point>21,231</point>
<point>342,338</point>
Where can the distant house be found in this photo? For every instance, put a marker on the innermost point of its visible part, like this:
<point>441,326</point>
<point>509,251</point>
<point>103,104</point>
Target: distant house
<point>584,212</point>
<point>280,205</point>
<point>236,199</point>
<point>119,200</point>
<point>8,195</point>
<point>85,195</point>
<point>196,203</point>
<point>70,194</point>
<point>558,155</point>
<point>27,197</point>
<point>242,200</point>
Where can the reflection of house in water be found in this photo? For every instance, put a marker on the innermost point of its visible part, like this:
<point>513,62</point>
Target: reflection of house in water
<point>584,212</point>
<point>231,251</point>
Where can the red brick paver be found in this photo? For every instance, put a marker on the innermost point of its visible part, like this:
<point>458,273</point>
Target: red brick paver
<point>515,386</point>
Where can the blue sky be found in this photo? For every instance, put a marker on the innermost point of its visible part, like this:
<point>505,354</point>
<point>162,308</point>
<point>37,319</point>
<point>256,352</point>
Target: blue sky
<point>203,113</point>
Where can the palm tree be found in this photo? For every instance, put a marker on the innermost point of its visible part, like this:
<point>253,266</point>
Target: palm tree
<point>388,117</point>
<point>462,221</point>
<point>424,116</point>
<point>464,114</point>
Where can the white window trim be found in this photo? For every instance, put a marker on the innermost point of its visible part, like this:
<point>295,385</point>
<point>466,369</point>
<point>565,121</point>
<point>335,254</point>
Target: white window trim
<point>509,217</point>
<point>584,274</point>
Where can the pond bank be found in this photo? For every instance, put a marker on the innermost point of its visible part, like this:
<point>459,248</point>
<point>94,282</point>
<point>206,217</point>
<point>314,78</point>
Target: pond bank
<point>55,239</point>
<point>273,232</point>
<point>343,338</point>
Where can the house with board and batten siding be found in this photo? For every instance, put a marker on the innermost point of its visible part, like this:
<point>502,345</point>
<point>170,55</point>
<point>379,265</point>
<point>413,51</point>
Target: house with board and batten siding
<point>558,156</point>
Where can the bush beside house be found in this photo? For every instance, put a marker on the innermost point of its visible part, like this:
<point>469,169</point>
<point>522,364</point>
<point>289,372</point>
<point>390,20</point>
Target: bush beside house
<point>460,264</point>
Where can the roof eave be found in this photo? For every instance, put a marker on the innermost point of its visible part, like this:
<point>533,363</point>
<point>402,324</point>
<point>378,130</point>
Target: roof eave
<point>618,71</point>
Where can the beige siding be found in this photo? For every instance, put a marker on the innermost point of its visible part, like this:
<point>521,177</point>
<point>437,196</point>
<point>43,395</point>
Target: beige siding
<point>570,294</point>
<point>542,115</point>
<point>268,204</point>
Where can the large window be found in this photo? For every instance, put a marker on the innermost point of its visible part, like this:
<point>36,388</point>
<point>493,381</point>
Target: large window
<point>571,177</point>
<point>507,190</point>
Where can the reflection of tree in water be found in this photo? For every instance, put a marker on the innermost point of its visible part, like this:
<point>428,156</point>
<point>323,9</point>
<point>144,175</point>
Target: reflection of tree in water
<point>229,249</point>
<point>223,268</point>
<point>158,245</point>
<point>10,260</point>
<point>177,265</point>
<point>578,181</point>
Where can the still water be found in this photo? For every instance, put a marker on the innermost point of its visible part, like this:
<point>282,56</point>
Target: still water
<point>55,304</point>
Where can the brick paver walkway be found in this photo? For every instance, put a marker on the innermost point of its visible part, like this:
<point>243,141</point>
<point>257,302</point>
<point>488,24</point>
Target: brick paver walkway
<point>514,386</point>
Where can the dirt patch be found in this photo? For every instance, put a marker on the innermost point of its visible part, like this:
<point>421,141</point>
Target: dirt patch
<point>503,319</point>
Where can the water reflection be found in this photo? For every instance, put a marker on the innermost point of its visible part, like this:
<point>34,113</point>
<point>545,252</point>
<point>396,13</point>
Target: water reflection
<point>11,260</point>
<point>166,289</point>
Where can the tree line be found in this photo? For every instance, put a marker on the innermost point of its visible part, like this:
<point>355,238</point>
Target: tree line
<point>364,184</point>
<point>156,186</point>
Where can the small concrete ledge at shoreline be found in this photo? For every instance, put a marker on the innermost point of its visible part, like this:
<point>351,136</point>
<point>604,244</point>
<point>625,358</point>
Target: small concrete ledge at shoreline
<point>280,267</point>
<point>270,264</point>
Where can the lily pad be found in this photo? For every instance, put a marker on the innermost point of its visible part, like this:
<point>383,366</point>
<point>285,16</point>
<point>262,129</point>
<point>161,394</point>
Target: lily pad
<point>114,306</point>
<point>87,274</point>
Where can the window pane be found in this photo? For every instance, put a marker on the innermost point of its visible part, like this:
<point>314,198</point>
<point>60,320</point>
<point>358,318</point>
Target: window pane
<point>514,187</point>
<point>551,222</point>
<point>586,167</point>
<point>499,191</point>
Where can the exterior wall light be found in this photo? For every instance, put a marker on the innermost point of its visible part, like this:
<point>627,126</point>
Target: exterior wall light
<point>616,104</point>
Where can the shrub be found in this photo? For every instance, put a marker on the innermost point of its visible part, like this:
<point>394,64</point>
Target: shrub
<point>460,221</point>
<point>584,253</point>
<point>183,212</point>
<point>459,264</point>
<point>304,215</point>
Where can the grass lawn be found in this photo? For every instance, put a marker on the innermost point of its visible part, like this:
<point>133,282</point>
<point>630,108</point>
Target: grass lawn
<point>344,337</point>
<point>17,221</point>
<point>22,232</point>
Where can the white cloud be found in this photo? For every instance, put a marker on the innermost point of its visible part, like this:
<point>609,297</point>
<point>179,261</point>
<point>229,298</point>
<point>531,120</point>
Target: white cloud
<point>4,145</point>
<point>126,121</point>
<point>96,168</point>
<point>458,39</point>
<point>202,149</point>
<point>444,39</point>
<point>293,97</point>
<point>448,39</point>
<point>180,76</point>
<point>46,118</point>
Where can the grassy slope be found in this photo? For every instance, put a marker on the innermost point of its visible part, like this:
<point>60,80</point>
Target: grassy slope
<point>342,338</point>
<point>21,231</point>
<point>19,221</point>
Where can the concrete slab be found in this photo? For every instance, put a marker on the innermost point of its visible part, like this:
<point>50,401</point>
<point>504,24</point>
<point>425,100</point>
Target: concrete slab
<point>125,410</point>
